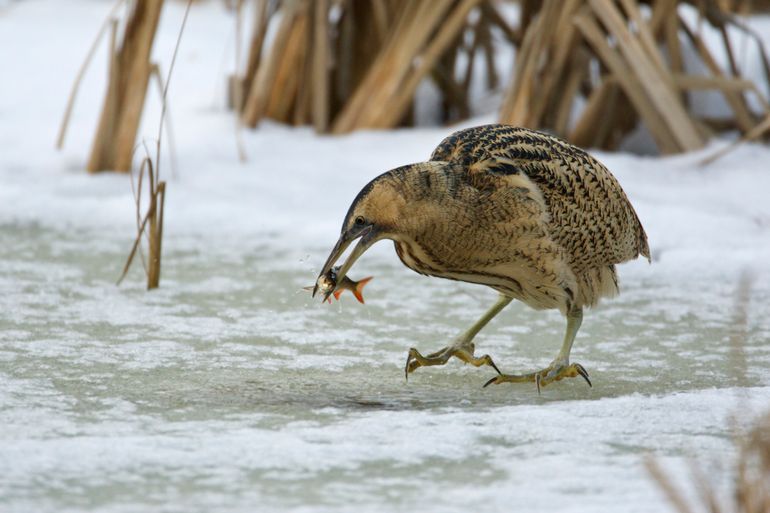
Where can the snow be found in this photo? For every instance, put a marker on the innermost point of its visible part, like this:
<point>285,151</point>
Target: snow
<point>228,389</point>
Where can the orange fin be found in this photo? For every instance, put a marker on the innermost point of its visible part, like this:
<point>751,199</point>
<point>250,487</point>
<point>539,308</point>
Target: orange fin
<point>358,291</point>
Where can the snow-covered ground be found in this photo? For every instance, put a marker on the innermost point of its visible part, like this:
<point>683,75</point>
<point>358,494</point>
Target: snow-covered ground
<point>228,389</point>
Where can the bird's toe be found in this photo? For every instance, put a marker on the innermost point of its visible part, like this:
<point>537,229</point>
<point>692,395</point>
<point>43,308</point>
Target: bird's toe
<point>544,377</point>
<point>557,372</point>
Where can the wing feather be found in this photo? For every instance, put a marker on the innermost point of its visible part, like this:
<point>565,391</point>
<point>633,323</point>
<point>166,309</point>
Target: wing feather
<point>589,214</point>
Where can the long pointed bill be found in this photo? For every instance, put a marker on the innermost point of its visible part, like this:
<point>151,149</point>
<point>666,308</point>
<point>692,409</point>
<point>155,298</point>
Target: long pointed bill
<point>369,237</point>
<point>365,243</point>
<point>337,251</point>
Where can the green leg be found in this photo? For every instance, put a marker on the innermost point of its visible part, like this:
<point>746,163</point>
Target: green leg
<point>574,320</point>
<point>560,367</point>
<point>462,347</point>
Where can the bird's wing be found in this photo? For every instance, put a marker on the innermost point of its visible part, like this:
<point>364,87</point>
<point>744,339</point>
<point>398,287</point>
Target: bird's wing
<point>590,216</point>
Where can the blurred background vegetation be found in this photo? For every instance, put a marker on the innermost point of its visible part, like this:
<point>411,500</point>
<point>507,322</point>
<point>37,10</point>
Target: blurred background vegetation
<point>590,71</point>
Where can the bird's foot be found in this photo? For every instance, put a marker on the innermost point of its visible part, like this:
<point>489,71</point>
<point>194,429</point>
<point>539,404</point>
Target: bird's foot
<point>415,360</point>
<point>554,372</point>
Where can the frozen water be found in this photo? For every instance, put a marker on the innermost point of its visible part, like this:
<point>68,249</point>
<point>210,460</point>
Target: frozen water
<point>228,389</point>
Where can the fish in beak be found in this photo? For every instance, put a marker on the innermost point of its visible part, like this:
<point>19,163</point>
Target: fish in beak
<point>329,282</point>
<point>367,236</point>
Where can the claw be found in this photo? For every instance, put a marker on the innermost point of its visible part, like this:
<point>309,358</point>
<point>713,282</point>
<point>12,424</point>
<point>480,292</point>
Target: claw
<point>491,364</point>
<point>411,358</point>
<point>583,372</point>
<point>493,380</point>
<point>406,367</point>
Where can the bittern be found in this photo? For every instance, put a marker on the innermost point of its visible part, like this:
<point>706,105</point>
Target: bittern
<point>532,216</point>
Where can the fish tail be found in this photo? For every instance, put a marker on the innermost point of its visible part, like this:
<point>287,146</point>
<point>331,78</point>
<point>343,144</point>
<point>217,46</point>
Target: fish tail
<point>359,289</point>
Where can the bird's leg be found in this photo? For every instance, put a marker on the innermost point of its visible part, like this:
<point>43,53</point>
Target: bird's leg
<point>462,347</point>
<point>560,367</point>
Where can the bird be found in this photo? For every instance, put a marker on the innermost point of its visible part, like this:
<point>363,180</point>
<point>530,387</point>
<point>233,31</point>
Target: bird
<point>526,213</point>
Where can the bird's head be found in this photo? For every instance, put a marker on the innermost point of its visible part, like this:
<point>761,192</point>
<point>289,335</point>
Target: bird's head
<point>374,215</point>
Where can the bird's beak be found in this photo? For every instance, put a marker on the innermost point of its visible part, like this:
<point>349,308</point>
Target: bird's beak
<point>368,237</point>
<point>339,248</point>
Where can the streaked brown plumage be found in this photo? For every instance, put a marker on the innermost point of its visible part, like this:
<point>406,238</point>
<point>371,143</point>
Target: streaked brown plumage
<point>533,217</point>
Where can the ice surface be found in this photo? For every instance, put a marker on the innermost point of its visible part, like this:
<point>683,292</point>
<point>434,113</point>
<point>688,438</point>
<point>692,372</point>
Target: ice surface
<point>228,389</point>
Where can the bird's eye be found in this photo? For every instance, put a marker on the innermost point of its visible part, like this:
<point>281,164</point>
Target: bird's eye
<point>360,221</point>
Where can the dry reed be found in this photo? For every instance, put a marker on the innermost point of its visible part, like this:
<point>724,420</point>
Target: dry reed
<point>627,67</point>
<point>129,75</point>
<point>151,224</point>
<point>345,65</point>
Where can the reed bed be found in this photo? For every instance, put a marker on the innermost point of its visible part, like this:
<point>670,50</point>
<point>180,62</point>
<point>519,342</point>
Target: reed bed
<point>345,65</point>
<point>589,71</point>
<point>348,65</point>
<point>627,67</point>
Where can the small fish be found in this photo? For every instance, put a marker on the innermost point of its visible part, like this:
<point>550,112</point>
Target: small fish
<point>328,284</point>
<point>356,287</point>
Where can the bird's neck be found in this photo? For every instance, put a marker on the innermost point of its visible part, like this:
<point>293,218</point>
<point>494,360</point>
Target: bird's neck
<point>416,256</point>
